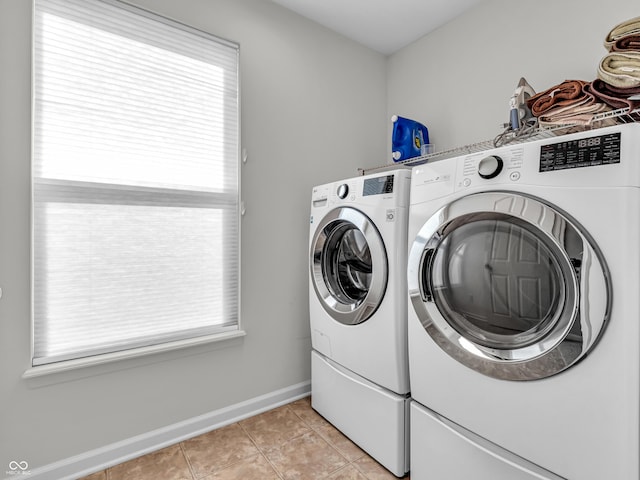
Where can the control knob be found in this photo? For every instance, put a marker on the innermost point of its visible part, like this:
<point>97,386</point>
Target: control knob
<point>343,191</point>
<point>490,167</point>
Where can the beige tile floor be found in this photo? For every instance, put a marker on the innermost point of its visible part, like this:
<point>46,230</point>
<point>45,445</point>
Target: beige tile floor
<point>291,442</point>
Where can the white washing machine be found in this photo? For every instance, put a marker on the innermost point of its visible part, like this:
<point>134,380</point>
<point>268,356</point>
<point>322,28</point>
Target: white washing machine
<point>358,309</point>
<point>524,311</point>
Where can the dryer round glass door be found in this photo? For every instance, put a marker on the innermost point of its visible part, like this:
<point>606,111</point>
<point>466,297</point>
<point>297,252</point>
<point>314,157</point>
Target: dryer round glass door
<point>348,265</point>
<point>508,285</point>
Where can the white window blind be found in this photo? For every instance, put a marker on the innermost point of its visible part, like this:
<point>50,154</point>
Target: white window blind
<point>135,181</point>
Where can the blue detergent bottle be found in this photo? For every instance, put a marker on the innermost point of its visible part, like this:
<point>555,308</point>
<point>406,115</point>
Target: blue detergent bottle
<point>407,138</point>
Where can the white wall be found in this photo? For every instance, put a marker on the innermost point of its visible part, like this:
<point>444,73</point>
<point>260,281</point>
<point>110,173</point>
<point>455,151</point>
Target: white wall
<point>458,80</point>
<point>313,110</point>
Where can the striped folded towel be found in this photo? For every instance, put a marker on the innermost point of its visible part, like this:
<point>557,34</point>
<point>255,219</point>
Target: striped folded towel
<point>576,115</point>
<point>628,27</point>
<point>578,112</point>
<point>620,69</point>
<point>614,96</point>
<point>630,42</point>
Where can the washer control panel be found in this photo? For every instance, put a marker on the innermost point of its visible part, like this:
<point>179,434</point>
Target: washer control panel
<point>355,189</point>
<point>378,185</point>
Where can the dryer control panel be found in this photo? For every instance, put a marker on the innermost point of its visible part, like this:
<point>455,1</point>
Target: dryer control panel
<point>557,161</point>
<point>502,165</point>
<point>583,152</point>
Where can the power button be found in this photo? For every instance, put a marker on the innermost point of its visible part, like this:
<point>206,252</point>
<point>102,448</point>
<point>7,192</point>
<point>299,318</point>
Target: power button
<point>514,176</point>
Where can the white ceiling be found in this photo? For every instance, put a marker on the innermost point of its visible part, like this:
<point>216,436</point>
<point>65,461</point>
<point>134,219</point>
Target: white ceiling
<point>383,25</point>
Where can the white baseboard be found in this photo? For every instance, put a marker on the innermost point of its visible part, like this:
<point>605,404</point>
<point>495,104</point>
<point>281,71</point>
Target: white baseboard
<point>116,453</point>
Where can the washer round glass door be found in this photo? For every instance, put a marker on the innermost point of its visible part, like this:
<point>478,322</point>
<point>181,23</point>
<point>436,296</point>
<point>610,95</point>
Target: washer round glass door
<point>508,285</point>
<point>348,265</point>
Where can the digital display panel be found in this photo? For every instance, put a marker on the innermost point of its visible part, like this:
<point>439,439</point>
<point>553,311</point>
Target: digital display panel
<point>585,152</point>
<point>378,185</point>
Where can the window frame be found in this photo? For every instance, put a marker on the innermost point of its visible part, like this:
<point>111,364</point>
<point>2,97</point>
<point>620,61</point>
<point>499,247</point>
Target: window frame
<point>141,195</point>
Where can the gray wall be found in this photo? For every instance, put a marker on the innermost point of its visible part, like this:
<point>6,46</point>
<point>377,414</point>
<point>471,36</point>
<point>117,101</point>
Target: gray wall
<point>458,80</point>
<point>313,110</point>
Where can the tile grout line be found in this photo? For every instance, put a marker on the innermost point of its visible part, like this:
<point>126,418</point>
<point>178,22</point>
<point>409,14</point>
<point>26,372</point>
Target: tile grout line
<point>186,457</point>
<point>280,475</point>
<point>317,432</point>
<point>311,430</point>
<point>220,468</point>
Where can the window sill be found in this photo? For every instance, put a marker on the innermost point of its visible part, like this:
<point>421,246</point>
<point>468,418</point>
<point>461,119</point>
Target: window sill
<point>68,365</point>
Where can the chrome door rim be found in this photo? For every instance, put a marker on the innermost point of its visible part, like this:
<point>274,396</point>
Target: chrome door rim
<point>574,332</point>
<point>349,313</point>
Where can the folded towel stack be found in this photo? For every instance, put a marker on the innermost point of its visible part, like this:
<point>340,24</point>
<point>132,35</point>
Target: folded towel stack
<point>616,87</point>
<point>569,102</point>
<point>619,71</point>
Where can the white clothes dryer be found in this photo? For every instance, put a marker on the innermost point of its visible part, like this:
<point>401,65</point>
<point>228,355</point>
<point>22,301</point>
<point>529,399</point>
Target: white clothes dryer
<point>524,311</point>
<point>358,308</point>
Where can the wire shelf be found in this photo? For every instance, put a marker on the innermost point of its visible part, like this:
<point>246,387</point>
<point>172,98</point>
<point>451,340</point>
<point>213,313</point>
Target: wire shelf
<point>613,117</point>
